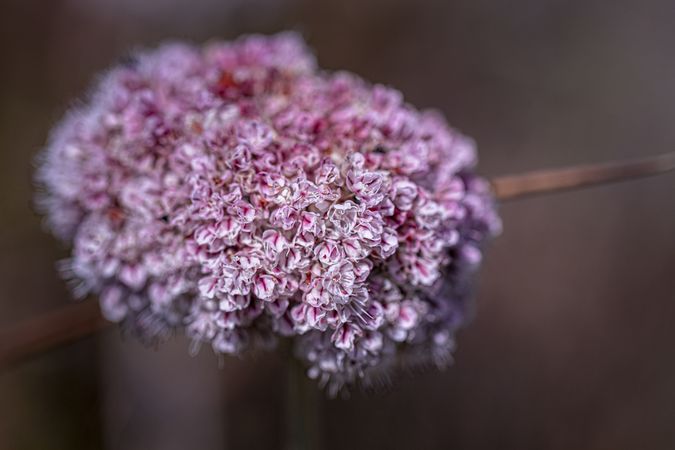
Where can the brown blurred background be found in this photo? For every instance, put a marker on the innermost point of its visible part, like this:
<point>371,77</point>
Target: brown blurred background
<point>572,346</point>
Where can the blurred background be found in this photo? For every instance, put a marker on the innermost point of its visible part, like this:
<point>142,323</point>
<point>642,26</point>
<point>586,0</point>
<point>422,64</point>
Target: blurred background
<point>572,343</point>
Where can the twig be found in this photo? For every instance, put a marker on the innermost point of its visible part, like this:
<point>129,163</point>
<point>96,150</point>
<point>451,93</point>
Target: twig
<point>57,328</point>
<point>540,182</point>
<point>48,331</point>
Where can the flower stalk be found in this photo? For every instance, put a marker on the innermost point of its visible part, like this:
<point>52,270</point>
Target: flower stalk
<point>302,414</point>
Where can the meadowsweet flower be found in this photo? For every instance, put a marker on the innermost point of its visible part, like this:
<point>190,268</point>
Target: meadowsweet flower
<point>238,192</point>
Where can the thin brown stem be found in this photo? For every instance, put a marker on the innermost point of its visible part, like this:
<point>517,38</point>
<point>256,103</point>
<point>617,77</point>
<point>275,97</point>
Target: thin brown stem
<point>48,331</point>
<point>540,182</point>
<point>54,329</point>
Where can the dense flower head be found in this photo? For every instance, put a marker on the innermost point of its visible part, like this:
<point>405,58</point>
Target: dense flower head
<point>238,192</point>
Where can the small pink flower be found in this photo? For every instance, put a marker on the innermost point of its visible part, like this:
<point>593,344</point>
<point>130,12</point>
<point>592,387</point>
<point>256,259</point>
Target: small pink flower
<point>292,259</point>
<point>315,317</point>
<point>239,158</point>
<point>429,215</point>
<point>113,305</point>
<point>249,261</point>
<point>244,211</point>
<point>354,248</point>
<point>389,243</point>
<point>230,303</point>
<point>310,222</point>
<point>277,307</point>
<point>328,253</point>
<point>339,280</point>
<point>263,287</point>
<point>373,342</point>
<point>423,272</point>
<point>362,269</point>
<point>274,243</point>
<point>255,134</point>
<point>343,216</point>
<point>404,194</point>
<point>328,172</point>
<point>367,186</point>
<point>407,316</point>
<point>271,184</point>
<point>227,229</point>
<point>345,336</point>
<point>317,295</point>
<point>208,286</point>
<point>369,229</point>
<point>133,275</point>
<point>285,217</point>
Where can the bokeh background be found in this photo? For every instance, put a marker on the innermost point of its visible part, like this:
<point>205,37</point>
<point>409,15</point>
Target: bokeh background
<point>572,343</point>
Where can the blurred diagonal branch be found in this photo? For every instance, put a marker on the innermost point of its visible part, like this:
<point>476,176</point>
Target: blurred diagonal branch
<point>54,329</point>
<point>48,331</point>
<point>546,181</point>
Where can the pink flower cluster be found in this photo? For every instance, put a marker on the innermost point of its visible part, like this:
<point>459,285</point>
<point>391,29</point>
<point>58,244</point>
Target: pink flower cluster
<point>237,191</point>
